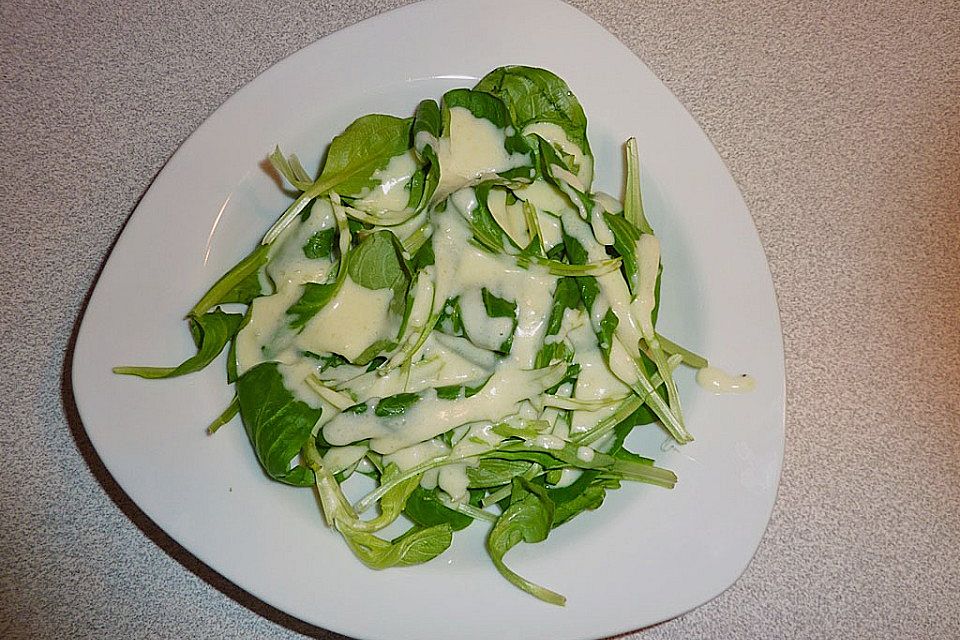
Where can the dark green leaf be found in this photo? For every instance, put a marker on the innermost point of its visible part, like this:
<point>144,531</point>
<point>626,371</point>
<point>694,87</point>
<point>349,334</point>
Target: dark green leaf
<point>314,298</point>
<point>375,263</point>
<point>537,95</point>
<point>355,155</point>
<point>240,284</point>
<point>370,353</point>
<point>584,494</point>
<point>529,518</point>
<point>424,257</point>
<point>425,509</point>
<point>320,244</point>
<point>565,296</point>
<point>396,405</point>
<point>327,360</point>
<point>589,289</point>
<point>625,237</point>
<point>608,327</point>
<point>211,332</point>
<point>428,122</point>
<point>450,320</point>
<point>277,424</point>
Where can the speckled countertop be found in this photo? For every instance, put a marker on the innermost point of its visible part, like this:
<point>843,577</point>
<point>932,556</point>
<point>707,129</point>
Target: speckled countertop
<point>839,121</point>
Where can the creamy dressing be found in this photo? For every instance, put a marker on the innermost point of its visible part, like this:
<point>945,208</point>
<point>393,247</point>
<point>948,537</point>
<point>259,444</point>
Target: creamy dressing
<point>453,479</point>
<point>471,150</point>
<point>287,263</point>
<point>601,231</point>
<point>431,416</point>
<point>648,265</point>
<point>295,380</point>
<point>409,457</point>
<point>548,441</point>
<point>336,459</point>
<point>484,331</point>
<point>607,202</point>
<point>719,381</point>
<point>355,319</point>
<point>509,217</point>
<point>544,195</point>
<point>265,335</point>
<point>595,381</point>
<point>462,268</point>
<point>442,364</point>
<point>586,454</point>
<point>393,192</point>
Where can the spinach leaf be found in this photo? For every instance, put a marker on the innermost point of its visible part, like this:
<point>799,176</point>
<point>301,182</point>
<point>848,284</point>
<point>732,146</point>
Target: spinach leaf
<point>493,472</point>
<point>633,202</point>
<point>625,237</point>
<point>315,295</point>
<point>241,284</point>
<point>396,405</point>
<point>425,509</point>
<point>416,546</point>
<point>320,244</point>
<point>314,298</point>
<point>355,155</point>
<point>370,353</point>
<point>211,332</point>
<point>277,424</point>
<point>480,104</point>
<point>584,494</point>
<point>486,231</point>
<point>608,327</point>
<point>454,391</point>
<point>550,457</point>
<point>427,123</point>
<point>537,95</point>
<point>589,289</point>
<point>549,159</point>
<point>376,263</point>
<point>565,296</point>
<point>363,148</point>
<point>529,518</point>
<point>424,257</point>
<point>327,360</point>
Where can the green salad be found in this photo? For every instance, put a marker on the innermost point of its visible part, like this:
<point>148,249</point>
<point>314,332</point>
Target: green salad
<point>450,310</point>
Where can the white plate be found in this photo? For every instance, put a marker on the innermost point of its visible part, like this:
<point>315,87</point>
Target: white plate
<point>649,554</point>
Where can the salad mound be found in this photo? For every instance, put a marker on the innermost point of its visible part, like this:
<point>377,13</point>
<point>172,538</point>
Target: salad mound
<point>450,310</point>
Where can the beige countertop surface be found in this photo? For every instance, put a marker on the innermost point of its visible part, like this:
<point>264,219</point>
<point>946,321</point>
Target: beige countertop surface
<point>840,122</point>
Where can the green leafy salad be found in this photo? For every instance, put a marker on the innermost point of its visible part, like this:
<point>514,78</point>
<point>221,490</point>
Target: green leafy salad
<point>450,310</point>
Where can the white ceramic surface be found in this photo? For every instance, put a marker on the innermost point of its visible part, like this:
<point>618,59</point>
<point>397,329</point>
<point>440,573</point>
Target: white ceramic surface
<point>648,554</point>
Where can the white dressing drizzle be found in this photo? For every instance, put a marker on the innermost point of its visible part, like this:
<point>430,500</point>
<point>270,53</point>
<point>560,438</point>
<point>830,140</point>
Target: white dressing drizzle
<point>391,194</point>
<point>471,150</point>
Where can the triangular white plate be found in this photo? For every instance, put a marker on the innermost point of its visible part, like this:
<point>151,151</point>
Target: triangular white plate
<point>648,554</point>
